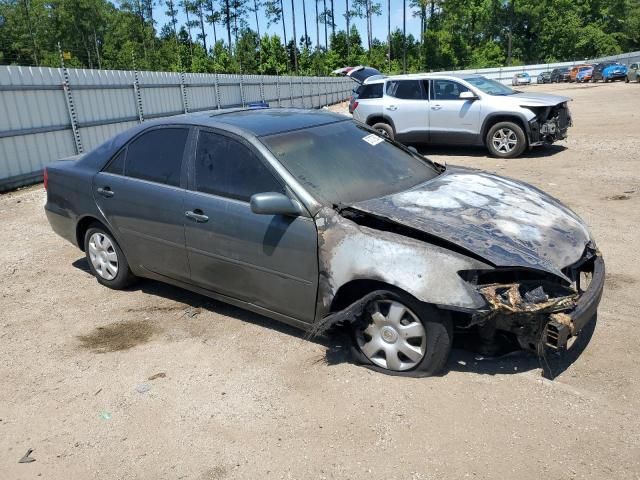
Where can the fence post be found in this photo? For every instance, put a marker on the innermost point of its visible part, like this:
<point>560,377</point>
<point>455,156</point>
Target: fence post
<point>241,90</point>
<point>217,87</point>
<point>291,90</point>
<point>70,105</point>
<point>262,88</point>
<point>278,88</point>
<point>136,89</point>
<point>183,90</point>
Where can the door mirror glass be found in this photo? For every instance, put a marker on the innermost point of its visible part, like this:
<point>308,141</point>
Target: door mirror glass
<point>273,203</point>
<point>467,96</point>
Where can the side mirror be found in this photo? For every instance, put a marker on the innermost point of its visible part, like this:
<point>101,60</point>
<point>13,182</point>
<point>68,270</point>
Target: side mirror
<point>467,96</point>
<point>273,203</point>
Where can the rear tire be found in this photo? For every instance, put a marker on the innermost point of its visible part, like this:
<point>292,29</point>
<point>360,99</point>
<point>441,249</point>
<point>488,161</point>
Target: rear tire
<point>106,260</point>
<point>421,330</point>
<point>385,129</point>
<point>506,140</point>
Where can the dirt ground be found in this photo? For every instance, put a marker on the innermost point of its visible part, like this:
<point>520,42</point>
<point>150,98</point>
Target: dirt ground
<point>159,383</point>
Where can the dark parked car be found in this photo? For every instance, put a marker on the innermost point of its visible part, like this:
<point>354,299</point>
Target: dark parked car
<point>314,220</point>
<point>544,77</point>
<point>562,74</point>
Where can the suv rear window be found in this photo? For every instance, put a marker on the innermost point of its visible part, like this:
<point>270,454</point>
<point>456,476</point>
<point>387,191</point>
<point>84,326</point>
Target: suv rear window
<point>370,91</point>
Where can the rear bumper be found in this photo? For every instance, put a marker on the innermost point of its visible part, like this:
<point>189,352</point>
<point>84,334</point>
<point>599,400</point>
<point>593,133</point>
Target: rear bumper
<point>563,326</point>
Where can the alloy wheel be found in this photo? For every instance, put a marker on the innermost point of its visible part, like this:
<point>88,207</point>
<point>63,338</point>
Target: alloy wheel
<point>395,338</point>
<point>504,140</point>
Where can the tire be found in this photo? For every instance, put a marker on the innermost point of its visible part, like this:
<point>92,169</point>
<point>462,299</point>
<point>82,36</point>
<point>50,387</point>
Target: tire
<point>106,260</point>
<point>385,129</point>
<point>637,78</point>
<point>513,140</point>
<point>385,337</point>
<point>626,79</point>
<point>606,80</point>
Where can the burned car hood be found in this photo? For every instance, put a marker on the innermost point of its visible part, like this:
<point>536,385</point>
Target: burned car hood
<point>503,221</point>
<point>537,99</point>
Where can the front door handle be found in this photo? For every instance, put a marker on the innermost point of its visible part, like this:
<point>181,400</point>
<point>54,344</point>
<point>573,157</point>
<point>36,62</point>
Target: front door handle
<point>436,107</point>
<point>106,192</point>
<point>196,215</point>
<point>391,107</point>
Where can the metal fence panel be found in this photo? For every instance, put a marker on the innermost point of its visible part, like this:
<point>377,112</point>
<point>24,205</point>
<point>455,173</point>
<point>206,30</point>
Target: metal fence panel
<point>38,115</point>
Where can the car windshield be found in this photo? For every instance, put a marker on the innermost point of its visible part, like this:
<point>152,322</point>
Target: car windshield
<point>344,163</point>
<point>490,87</point>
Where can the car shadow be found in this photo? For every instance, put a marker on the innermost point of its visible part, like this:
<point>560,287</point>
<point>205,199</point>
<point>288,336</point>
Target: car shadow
<point>337,342</point>
<point>337,349</point>
<point>481,152</point>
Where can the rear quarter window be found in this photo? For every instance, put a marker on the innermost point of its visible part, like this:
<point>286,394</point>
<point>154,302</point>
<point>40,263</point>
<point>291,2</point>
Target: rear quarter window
<point>370,91</point>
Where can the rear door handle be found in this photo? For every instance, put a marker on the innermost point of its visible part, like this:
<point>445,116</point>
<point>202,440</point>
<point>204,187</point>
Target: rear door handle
<point>106,191</point>
<point>436,107</point>
<point>391,107</point>
<point>196,215</point>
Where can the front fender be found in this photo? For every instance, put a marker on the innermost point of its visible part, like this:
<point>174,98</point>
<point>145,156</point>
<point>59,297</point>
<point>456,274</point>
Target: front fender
<point>348,251</point>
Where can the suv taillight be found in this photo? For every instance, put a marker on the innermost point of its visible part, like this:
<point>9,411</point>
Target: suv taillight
<point>355,105</point>
<point>45,178</point>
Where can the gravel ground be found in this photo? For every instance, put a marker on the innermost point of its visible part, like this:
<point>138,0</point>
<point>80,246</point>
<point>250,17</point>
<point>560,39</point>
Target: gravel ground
<point>159,383</point>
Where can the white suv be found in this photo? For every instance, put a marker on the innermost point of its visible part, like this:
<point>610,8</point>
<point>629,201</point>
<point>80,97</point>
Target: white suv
<point>460,109</point>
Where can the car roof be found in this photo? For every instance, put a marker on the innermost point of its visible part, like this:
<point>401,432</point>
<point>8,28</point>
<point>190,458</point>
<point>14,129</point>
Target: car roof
<point>257,122</point>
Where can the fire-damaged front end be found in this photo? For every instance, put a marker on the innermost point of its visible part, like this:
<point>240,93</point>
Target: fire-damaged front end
<point>499,255</point>
<point>551,123</point>
<point>540,310</point>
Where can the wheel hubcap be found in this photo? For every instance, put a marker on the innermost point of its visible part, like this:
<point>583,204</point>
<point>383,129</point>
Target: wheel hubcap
<point>504,140</point>
<point>103,256</point>
<point>395,338</point>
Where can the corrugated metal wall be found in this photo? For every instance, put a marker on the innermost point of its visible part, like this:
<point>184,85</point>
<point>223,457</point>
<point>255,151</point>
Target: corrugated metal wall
<point>42,121</point>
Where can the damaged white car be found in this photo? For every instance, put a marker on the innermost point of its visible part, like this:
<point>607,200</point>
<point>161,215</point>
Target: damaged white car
<point>457,109</point>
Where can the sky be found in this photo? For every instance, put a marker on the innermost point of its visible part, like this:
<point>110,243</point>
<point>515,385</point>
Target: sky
<point>379,22</point>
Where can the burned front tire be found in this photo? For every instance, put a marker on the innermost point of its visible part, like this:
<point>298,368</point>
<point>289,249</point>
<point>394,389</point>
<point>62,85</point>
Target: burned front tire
<point>385,129</point>
<point>401,336</point>
<point>506,140</point>
<point>106,260</point>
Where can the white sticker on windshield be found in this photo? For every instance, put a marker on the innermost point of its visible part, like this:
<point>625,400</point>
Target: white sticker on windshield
<point>373,139</point>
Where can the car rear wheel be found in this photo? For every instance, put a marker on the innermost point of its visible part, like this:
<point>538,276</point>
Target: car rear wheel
<point>106,260</point>
<point>626,79</point>
<point>384,128</point>
<point>403,337</point>
<point>506,140</point>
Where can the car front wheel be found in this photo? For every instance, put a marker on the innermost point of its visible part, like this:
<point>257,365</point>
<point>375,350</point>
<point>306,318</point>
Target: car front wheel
<point>385,129</point>
<point>403,336</point>
<point>506,140</point>
<point>106,260</point>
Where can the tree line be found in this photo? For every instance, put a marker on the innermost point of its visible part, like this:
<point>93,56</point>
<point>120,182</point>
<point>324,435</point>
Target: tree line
<point>224,36</point>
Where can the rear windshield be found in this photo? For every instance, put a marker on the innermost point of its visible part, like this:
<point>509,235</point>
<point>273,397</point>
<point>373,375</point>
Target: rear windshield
<point>344,163</point>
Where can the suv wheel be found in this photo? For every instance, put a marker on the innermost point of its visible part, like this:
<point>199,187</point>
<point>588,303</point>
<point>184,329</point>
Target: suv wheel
<point>506,140</point>
<point>384,128</point>
<point>403,337</point>
<point>106,260</point>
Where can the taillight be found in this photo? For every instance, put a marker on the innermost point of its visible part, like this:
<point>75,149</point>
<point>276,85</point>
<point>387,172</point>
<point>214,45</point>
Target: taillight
<point>46,178</point>
<point>355,105</point>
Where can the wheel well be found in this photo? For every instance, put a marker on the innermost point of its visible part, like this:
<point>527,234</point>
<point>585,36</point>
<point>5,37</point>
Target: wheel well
<point>355,290</point>
<point>83,226</point>
<point>372,120</point>
<point>502,118</point>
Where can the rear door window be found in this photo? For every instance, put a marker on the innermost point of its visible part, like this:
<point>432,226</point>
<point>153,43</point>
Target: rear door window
<point>228,168</point>
<point>156,155</point>
<point>405,89</point>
